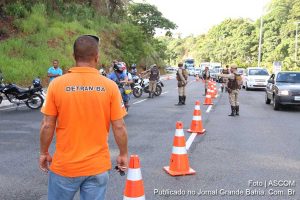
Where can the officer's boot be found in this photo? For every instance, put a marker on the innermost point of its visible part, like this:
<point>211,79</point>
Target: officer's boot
<point>183,100</point>
<point>149,95</point>
<point>152,95</point>
<point>222,89</point>
<point>232,111</point>
<point>179,101</point>
<point>205,92</point>
<point>237,110</point>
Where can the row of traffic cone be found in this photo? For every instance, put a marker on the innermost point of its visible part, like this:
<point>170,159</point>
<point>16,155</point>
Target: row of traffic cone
<point>179,162</point>
<point>212,93</point>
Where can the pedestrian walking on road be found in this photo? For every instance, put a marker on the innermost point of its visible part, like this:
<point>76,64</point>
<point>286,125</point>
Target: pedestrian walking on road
<point>54,71</point>
<point>206,78</point>
<point>181,77</point>
<point>154,77</point>
<point>234,86</point>
<point>80,107</point>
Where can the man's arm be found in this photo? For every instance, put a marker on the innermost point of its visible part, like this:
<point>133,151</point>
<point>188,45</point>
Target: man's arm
<point>181,75</point>
<point>53,75</point>
<point>120,135</point>
<point>46,136</point>
<point>230,76</point>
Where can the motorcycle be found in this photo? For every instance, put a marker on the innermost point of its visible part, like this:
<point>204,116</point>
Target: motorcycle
<point>142,85</point>
<point>31,97</point>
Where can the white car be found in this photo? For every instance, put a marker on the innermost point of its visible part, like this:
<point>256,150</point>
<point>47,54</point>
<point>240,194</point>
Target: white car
<point>198,72</point>
<point>191,71</point>
<point>255,78</point>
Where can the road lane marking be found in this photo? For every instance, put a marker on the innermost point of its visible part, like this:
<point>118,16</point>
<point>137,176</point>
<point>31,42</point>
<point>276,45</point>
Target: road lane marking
<point>12,107</point>
<point>165,92</point>
<point>209,109</point>
<point>190,141</point>
<point>139,101</point>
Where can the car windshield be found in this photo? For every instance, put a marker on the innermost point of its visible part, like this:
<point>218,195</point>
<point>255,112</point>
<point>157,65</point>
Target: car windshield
<point>189,62</point>
<point>288,77</point>
<point>258,72</point>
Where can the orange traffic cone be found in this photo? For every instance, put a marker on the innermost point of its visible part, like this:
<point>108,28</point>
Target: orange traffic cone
<point>196,125</point>
<point>134,187</point>
<point>179,161</point>
<point>212,92</point>
<point>208,100</point>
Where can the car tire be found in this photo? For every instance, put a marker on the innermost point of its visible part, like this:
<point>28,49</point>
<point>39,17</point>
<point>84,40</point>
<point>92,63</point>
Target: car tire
<point>267,100</point>
<point>276,103</point>
<point>246,87</point>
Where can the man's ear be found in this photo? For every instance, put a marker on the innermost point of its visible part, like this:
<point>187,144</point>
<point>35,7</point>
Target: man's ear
<point>97,58</point>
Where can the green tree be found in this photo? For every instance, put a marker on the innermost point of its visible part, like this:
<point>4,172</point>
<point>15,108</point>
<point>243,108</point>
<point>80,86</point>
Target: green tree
<point>149,18</point>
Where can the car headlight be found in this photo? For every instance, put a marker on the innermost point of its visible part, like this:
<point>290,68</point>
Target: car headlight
<point>251,79</point>
<point>283,93</point>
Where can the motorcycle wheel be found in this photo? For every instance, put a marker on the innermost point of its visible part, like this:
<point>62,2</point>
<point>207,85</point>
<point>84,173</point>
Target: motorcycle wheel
<point>35,101</point>
<point>137,93</point>
<point>158,90</point>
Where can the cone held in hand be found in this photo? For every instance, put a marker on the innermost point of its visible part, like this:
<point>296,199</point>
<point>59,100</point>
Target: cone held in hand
<point>134,187</point>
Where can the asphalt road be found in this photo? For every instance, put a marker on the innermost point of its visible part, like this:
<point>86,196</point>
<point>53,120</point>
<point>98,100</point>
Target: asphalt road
<point>235,153</point>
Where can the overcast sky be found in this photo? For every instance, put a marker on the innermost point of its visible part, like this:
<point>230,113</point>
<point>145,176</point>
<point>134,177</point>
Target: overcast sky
<point>198,16</point>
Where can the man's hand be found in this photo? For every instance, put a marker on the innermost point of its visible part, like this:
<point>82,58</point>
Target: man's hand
<point>45,161</point>
<point>122,162</point>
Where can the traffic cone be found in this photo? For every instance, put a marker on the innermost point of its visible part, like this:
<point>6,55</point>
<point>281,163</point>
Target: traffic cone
<point>134,187</point>
<point>196,125</point>
<point>179,161</point>
<point>208,100</point>
<point>212,92</point>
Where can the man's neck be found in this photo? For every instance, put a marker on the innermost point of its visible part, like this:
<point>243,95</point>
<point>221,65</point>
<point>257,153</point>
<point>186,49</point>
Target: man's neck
<point>85,64</point>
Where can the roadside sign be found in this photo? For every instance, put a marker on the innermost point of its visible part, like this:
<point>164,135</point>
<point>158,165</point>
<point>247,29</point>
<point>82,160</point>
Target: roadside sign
<point>277,65</point>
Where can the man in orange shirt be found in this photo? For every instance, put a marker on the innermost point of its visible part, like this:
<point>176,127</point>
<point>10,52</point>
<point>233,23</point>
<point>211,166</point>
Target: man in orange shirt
<point>79,107</point>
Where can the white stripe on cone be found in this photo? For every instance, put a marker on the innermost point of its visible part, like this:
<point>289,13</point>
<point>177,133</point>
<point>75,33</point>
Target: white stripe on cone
<point>134,198</point>
<point>179,132</point>
<point>197,118</point>
<point>197,107</point>
<point>179,150</point>
<point>134,174</point>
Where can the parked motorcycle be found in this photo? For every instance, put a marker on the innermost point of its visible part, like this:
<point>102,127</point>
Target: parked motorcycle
<point>142,85</point>
<point>31,97</point>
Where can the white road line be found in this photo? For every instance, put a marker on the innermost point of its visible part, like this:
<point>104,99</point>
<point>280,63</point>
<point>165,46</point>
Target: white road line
<point>190,141</point>
<point>165,92</point>
<point>139,101</point>
<point>208,109</point>
<point>21,106</point>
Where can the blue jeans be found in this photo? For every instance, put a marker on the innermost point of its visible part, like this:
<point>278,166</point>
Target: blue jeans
<point>65,188</point>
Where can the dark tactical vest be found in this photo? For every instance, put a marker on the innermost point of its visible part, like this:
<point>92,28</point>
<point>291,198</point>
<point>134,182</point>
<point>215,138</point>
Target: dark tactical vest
<point>233,84</point>
<point>154,74</point>
<point>225,71</point>
<point>184,74</point>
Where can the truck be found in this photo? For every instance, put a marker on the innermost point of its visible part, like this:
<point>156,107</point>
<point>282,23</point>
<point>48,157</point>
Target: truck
<point>189,63</point>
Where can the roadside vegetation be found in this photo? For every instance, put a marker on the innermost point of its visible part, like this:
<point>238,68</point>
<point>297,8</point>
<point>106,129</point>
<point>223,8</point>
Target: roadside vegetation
<point>33,33</point>
<point>39,32</point>
<point>236,40</point>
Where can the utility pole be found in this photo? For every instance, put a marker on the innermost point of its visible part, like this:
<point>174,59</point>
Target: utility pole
<point>260,41</point>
